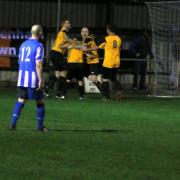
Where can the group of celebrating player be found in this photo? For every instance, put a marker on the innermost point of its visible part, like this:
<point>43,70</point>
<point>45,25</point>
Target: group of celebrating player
<point>31,54</point>
<point>82,60</point>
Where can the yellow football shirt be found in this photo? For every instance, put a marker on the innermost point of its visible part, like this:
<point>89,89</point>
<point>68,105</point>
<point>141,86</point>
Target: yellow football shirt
<point>111,46</point>
<point>75,56</point>
<point>60,39</point>
<point>91,43</point>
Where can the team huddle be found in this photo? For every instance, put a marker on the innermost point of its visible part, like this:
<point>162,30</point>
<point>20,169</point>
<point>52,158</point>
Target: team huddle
<point>81,53</point>
<point>83,60</point>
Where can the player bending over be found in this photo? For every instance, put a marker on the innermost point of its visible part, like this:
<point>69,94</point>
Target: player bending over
<point>92,60</point>
<point>30,78</point>
<point>58,60</point>
<point>111,62</point>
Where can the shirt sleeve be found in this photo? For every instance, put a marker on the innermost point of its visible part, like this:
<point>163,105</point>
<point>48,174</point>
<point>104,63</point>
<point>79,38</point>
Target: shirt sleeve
<point>19,55</point>
<point>63,36</point>
<point>102,45</point>
<point>39,53</point>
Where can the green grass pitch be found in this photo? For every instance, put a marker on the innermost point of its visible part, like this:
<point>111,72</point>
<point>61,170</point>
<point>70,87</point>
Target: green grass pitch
<point>143,144</point>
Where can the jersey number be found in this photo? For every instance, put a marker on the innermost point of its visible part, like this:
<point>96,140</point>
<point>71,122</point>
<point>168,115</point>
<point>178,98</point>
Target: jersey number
<point>114,44</point>
<point>28,52</point>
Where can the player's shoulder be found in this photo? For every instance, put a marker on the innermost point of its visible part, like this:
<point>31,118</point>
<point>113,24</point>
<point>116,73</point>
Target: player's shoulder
<point>24,44</point>
<point>33,43</point>
<point>115,37</point>
<point>118,38</point>
<point>107,36</point>
<point>63,31</point>
<point>37,43</point>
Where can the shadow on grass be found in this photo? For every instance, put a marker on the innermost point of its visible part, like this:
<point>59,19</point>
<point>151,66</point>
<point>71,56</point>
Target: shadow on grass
<point>93,130</point>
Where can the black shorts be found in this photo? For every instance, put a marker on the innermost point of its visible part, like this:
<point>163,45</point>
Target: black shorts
<point>75,70</point>
<point>91,69</point>
<point>58,61</point>
<point>30,93</point>
<point>109,73</point>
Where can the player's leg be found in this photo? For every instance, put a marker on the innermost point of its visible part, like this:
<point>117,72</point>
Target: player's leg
<point>50,81</point>
<point>37,95</point>
<point>118,88</point>
<point>34,94</point>
<point>105,83</point>
<point>55,59</point>
<point>62,80</point>
<point>40,109</point>
<point>69,76</point>
<point>57,84</point>
<point>81,89</point>
<point>22,93</point>
<point>79,73</point>
<point>49,84</point>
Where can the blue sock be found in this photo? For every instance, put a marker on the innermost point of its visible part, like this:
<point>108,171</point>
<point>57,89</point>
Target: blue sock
<point>40,115</point>
<point>16,112</point>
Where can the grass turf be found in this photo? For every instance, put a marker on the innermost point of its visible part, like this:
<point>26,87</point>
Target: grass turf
<point>144,144</point>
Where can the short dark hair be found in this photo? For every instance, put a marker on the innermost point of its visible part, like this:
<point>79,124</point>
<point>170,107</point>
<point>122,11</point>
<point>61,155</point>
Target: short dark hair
<point>111,28</point>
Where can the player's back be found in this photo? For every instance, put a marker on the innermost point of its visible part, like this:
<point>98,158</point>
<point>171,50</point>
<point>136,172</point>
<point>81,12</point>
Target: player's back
<point>60,39</point>
<point>30,51</point>
<point>112,51</point>
<point>113,43</point>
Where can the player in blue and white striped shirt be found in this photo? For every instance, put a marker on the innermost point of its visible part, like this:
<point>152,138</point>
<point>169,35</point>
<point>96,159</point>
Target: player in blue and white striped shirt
<point>30,78</point>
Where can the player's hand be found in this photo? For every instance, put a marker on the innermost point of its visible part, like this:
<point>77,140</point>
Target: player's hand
<point>70,47</point>
<point>40,86</point>
<point>91,56</point>
<point>84,48</point>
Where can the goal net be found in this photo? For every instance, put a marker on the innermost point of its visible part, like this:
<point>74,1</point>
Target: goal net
<point>165,23</point>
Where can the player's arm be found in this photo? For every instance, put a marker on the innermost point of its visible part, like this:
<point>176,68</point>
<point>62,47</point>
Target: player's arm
<point>75,44</point>
<point>102,45</point>
<point>64,46</point>
<point>39,66</point>
<point>64,40</point>
<point>68,43</point>
<point>95,48</point>
<point>85,49</point>
<point>78,45</point>
<point>91,54</point>
<point>39,70</point>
